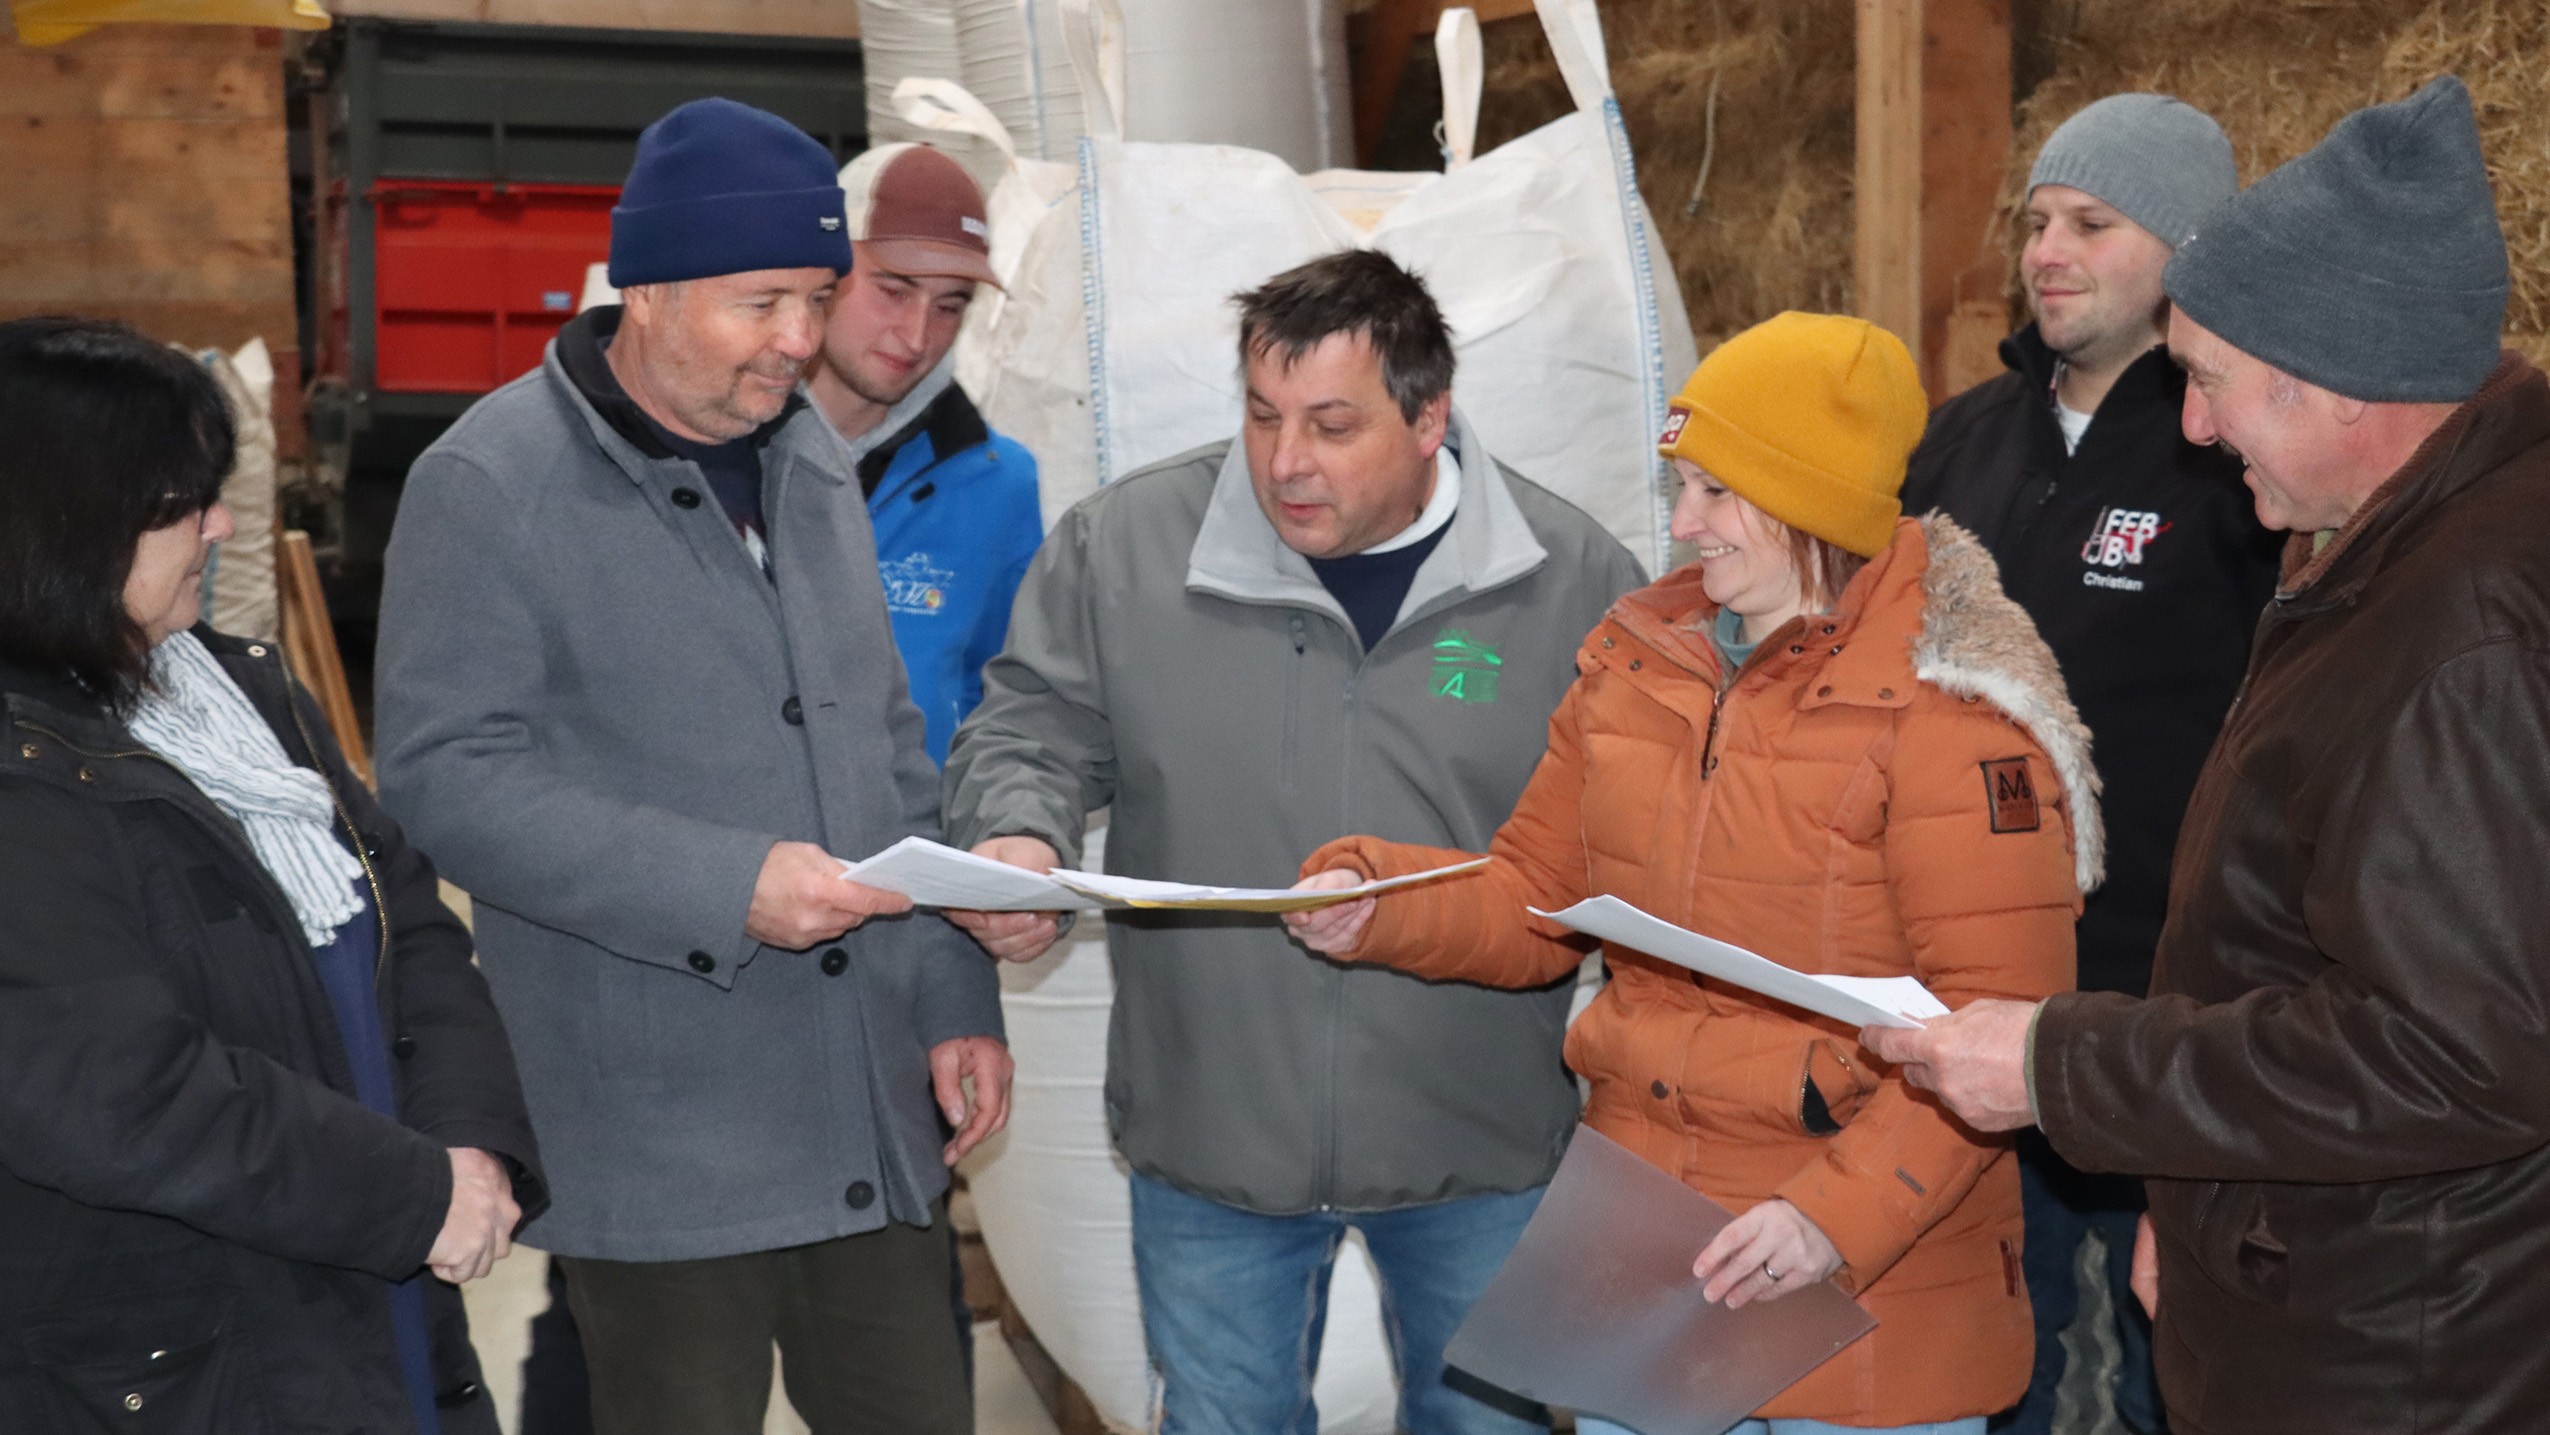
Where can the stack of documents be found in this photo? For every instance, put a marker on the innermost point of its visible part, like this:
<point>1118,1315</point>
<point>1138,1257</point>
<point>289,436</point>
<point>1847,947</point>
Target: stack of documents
<point>934,874</point>
<point>1861,1001</point>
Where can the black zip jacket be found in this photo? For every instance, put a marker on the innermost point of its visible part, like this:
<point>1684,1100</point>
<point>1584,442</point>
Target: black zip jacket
<point>199,1221</point>
<point>2145,568</point>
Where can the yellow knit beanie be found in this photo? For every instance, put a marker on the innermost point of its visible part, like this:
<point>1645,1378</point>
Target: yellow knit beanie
<point>1811,417</point>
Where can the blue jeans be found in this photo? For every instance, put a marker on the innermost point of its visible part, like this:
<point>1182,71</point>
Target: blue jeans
<point>1234,1304</point>
<point>2063,1206</point>
<point>1588,1425</point>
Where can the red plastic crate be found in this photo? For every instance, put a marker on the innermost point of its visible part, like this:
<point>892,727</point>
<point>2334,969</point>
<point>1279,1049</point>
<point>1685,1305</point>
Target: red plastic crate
<point>472,280</point>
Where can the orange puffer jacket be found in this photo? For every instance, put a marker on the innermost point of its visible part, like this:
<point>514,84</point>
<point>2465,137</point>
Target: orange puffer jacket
<point>1897,787</point>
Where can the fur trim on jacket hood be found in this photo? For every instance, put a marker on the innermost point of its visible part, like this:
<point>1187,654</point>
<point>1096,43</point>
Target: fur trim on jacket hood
<point>1976,642</point>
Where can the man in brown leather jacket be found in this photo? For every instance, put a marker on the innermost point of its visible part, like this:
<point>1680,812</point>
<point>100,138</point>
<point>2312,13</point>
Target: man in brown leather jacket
<point>2338,1086</point>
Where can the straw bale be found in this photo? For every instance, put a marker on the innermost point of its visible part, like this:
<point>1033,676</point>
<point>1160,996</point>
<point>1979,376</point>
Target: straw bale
<point>1772,228</point>
<point>2279,73</point>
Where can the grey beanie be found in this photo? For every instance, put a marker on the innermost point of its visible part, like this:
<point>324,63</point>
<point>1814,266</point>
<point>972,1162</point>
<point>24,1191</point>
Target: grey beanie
<point>2371,266</point>
<point>2160,162</point>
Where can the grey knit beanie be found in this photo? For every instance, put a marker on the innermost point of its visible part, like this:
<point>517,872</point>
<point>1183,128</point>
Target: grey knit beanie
<point>2371,266</point>
<point>2160,162</point>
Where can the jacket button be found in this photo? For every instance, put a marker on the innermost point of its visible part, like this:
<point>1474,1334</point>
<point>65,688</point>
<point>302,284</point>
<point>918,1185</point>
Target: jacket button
<point>861,1195</point>
<point>1797,650</point>
<point>835,961</point>
<point>404,1047</point>
<point>29,751</point>
<point>1824,692</point>
<point>1830,630</point>
<point>133,1401</point>
<point>87,776</point>
<point>686,498</point>
<point>1658,1088</point>
<point>703,963</point>
<point>1606,642</point>
<point>1885,692</point>
<point>1636,663</point>
<point>793,713</point>
<point>457,1396</point>
<point>256,650</point>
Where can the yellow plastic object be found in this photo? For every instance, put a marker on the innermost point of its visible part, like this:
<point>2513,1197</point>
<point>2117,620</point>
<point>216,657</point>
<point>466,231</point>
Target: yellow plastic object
<point>50,22</point>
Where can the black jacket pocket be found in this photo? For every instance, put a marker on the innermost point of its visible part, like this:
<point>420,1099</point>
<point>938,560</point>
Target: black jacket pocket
<point>155,1363</point>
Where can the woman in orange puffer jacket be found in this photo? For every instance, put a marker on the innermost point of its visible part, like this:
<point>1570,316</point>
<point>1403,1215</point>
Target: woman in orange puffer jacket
<point>1833,741</point>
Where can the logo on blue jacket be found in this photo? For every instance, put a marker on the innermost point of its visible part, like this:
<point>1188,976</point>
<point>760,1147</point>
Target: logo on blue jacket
<point>913,585</point>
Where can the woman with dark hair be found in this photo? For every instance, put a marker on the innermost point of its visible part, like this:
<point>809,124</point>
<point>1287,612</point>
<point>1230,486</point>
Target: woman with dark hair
<point>1832,740</point>
<point>256,1109</point>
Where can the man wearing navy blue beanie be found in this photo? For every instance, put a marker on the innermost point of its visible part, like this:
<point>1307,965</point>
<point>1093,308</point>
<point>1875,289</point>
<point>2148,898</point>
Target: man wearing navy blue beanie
<point>637,689</point>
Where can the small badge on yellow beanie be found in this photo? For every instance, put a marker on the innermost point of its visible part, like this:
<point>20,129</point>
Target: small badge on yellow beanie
<point>1675,418</point>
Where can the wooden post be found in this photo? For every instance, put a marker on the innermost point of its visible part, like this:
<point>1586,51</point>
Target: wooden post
<point>1886,245</point>
<point>1965,144</point>
<point>309,646</point>
<point>1933,136</point>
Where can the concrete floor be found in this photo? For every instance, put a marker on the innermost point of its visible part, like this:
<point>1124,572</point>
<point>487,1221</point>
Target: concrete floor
<point>502,1305</point>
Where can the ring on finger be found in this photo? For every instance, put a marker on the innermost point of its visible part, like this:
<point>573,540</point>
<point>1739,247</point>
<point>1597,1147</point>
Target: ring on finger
<point>1774,1276</point>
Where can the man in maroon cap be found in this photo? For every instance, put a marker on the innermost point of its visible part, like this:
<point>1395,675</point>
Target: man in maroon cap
<point>953,504</point>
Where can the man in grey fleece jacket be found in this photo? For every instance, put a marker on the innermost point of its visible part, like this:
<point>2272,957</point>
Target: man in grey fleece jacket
<point>1353,619</point>
<point>637,686</point>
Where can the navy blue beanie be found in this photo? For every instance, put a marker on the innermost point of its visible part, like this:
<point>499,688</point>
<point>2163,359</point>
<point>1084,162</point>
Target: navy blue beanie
<point>723,188</point>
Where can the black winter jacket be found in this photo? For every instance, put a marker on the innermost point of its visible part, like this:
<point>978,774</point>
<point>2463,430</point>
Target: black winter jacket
<point>2145,567</point>
<point>199,1221</point>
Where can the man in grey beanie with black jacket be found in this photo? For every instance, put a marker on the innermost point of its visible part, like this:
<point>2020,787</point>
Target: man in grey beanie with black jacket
<point>2136,553</point>
<point>2335,1086</point>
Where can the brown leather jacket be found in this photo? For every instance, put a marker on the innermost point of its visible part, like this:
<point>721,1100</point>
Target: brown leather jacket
<point>2343,1072</point>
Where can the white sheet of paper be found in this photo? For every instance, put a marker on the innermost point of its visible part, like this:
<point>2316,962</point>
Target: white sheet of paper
<point>1142,892</point>
<point>1861,1001</point>
<point>1597,1309</point>
<point>934,874</point>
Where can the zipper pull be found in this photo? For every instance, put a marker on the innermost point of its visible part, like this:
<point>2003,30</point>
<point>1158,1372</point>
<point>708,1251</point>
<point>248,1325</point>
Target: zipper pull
<point>1301,635</point>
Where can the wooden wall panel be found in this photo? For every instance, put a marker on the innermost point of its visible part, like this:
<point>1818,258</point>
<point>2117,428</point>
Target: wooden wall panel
<point>146,181</point>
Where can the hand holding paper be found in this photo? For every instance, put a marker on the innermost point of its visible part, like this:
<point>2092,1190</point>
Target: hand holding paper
<point>1013,936</point>
<point>1332,931</point>
<point>1976,1060</point>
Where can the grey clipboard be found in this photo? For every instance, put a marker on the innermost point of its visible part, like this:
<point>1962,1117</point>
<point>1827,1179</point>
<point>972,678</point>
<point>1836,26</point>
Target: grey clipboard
<point>1597,1309</point>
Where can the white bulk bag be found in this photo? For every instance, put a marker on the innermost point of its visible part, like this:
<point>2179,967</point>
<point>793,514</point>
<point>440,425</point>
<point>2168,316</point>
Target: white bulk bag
<point>906,39</point>
<point>1117,345</point>
<point>1267,73</point>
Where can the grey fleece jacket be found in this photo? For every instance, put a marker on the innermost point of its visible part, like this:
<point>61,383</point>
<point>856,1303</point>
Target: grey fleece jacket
<point>1170,656</point>
<point>597,715</point>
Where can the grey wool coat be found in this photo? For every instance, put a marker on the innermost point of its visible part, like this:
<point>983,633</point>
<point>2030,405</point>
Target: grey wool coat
<point>1171,657</point>
<point>598,715</point>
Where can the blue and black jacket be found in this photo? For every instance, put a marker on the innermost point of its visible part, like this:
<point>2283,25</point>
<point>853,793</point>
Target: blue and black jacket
<point>956,518</point>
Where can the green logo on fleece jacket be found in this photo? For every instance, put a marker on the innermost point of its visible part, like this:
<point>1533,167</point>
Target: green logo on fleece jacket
<point>1463,669</point>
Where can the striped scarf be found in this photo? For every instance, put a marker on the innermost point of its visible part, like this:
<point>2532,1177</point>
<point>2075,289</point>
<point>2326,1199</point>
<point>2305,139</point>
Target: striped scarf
<point>197,718</point>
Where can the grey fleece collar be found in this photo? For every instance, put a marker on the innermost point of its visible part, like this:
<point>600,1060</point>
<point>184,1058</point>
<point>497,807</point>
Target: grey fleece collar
<point>1238,554</point>
<point>908,408</point>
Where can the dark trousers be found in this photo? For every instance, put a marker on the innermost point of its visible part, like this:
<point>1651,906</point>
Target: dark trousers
<point>2062,1206</point>
<point>865,1343</point>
